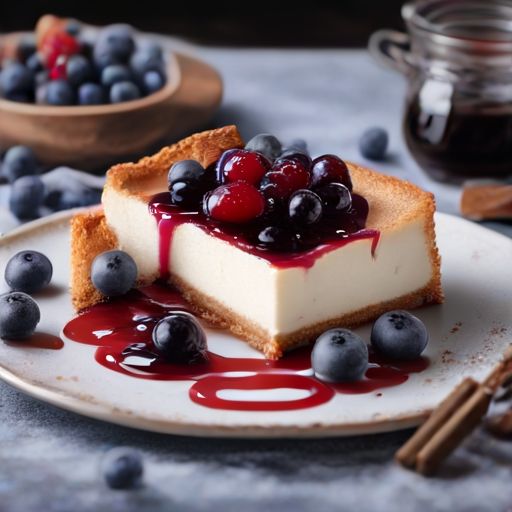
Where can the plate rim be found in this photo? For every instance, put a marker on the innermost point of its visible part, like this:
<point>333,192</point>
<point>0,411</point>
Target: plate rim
<point>100,411</point>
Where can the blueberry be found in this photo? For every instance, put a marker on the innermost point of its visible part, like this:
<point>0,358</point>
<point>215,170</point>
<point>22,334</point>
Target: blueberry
<point>180,338</point>
<point>339,355</point>
<point>124,91</point>
<point>26,48</point>
<point>27,195</point>
<point>299,144</point>
<point>59,92</point>
<point>399,335</point>
<point>336,198</point>
<point>78,70</point>
<point>184,193</point>
<point>186,170</point>
<point>19,161</point>
<point>118,41</point>
<point>115,73</point>
<point>122,468</point>
<point>19,315</point>
<point>113,273</point>
<point>102,57</point>
<point>28,272</point>
<point>374,143</point>
<point>35,63</point>
<point>144,60</point>
<point>16,78</point>
<point>153,49</point>
<point>91,94</point>
<point>153,81</point>
<point>266,144</point>
<point>304,208</point>
<point>275,238</point>
<point>296,154</point>
<point>42,77</point>
<point>73,28</point>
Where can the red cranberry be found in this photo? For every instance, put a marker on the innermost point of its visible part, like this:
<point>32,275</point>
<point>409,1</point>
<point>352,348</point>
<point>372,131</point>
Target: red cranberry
<point>236,202</point>
<point>57,44</point>
<point>330,169</point>
<point>58,72</point>
<point>285,177</point>
<point>244,165</point>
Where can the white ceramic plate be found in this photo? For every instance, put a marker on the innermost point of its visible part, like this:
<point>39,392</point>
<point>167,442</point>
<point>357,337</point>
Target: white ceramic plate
<point>468,335</point>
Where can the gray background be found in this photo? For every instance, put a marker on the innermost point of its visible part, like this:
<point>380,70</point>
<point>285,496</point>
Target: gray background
<point>49,458</point>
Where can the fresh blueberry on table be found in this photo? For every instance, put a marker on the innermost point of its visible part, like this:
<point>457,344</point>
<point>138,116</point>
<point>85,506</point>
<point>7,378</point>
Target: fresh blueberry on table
<point>113,273</point>
<point>28,272</point>
<point>153,81</point>
<point>19,316</point>
<point>78,70</point>
<point>180,338</point>
<point>19,161</point>
<point>399,335</point>
<point>124,91</point>
<point>91,94</point>
<point>15,78</point>
<point>305,208</point>
<point>339,355</point>
<point>26,197</point>
<point>374,143</point>
<point>115,73</point>
<point>60,92</point>
<point>266,144</point>
<point>122,468</point>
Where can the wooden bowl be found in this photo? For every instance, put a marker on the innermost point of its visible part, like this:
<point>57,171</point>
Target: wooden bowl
<point>94,137</point>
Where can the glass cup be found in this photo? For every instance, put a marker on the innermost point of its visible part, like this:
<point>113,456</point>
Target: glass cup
<point>457,57</point>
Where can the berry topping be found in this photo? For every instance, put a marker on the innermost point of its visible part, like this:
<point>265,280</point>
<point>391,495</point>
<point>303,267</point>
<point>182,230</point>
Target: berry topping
<point>236,203</point>
<point>305,208</point>
<point>297,154</point>
<point>28,271</point>
<point>113,273</point>
<point>188,182</point>
<point>339,355</point>
<point>285,177</point>
<point>330,169</point>
<point>276,238</point>
<point>266,144</point>
<point>336,198</point>
<point>399,335</point>
<point>243,165</point>
<point>374,143</point>
<point>19,315</point>
<point>122,468</point>
<point>180,339</point>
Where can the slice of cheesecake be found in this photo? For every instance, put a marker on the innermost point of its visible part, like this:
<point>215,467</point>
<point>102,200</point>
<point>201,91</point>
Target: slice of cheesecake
<point>274,303</point>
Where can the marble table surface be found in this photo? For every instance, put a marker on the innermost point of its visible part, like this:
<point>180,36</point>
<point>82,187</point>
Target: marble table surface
<point>49,458</point>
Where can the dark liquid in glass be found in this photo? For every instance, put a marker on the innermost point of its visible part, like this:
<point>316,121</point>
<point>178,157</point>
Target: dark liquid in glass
<point>465,143</point>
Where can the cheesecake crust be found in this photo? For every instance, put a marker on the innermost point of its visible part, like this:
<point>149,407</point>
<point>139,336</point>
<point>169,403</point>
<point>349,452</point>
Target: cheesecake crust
<point>393,204</point>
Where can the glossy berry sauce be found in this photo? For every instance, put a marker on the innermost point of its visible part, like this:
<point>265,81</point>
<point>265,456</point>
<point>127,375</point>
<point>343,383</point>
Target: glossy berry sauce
<point>121,329</point>
<point>321,239</point>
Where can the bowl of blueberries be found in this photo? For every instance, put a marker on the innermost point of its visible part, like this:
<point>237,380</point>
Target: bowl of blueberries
<point>86,97</point>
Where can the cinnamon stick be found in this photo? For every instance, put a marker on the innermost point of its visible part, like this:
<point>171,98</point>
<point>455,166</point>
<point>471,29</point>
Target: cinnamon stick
<point>448,437</point>
<point>409,451</point>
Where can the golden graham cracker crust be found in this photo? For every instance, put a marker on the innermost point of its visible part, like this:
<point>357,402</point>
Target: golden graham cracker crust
<point>393,204</point>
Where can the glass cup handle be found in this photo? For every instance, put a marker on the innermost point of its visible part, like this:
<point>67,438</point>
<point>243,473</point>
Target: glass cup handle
<point>391,48</point>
